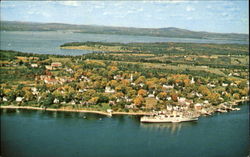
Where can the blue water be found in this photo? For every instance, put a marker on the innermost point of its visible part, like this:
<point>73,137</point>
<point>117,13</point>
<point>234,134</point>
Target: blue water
<point>49,134</point>
<point>49,42</point>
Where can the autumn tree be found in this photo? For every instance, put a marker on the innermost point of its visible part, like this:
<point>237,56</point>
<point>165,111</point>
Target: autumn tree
<point>162,95</point>
<point>138,101</point>
<point>142,92</point>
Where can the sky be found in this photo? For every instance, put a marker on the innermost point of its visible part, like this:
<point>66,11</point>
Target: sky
<point>205,15</point>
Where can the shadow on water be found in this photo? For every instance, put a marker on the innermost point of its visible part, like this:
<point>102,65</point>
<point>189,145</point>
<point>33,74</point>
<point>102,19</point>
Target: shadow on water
<point>173,128</point>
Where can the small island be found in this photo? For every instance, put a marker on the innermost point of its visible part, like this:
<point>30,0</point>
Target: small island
<point>133,78</point>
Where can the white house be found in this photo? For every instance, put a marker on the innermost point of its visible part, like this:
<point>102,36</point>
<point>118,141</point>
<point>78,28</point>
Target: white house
<point>48,67</point>
<point>181,100</point>
<point>131,77</point>
<point>34,65</point>
<point>56,101</point>
<point>198,106</point>
<point>168,86</point>
<point>5,99</point>
<point>151,95</point>
<point>206,102</point>
<point>169,98</point>
<point>224,84</point>
<point>211,85</point>
<point>19,99</point>
<point>109,90</point>
<point>192,81</point>
<point>198,94</point>
<point>169,107</point>
<point>141,84</point>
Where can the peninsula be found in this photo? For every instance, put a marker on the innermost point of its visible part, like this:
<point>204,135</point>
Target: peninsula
<point>132,78</point>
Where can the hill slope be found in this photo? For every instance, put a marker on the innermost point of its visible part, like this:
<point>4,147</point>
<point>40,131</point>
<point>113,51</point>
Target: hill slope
<point>161,32</point>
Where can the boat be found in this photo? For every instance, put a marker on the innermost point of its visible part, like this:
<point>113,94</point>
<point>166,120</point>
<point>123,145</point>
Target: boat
<point>166,119</point>
<point>221,110</point>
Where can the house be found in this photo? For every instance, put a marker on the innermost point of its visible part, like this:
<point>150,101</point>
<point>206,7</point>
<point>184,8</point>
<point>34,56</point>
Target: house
<point>211,85</point>
<point>236,74</point>
<point>56,101</point>
<point>72,102</point>
<point>141,84</point>
<point>151,95</point>
<point>189,102</point>
<point>198,106</point>
<point>111,103</point>
<point>181,100</point>
<point>199,95</point>
<point>19,99</point>
<point>43,77</point>
<point>192,81</point>
<point>109,110</point>
<point>206,102</point>
<point>131,77</point>
<point>34,65</point>
<point>50,81</point>
<point>118,100</point>
<point>56,64</point>
<point>109,90</point>
<point>169,98</point>
<point>34,91</point>
<point>175,108</point>
<point>86,79</point>
<point>117,77</point>
<point>168,86</point>
<point>169,107</point>
<point>5,99</point>
<point>131,106</point>
<point>69,70</point>
<point>133,84</point>
<point>224,84</point>
<point>233,84</point>
<point>127,99</point>
<point>48,67</point>
<point>80,90</point>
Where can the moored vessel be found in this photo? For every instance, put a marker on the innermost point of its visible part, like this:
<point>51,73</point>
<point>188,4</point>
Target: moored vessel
<point>167,119</point>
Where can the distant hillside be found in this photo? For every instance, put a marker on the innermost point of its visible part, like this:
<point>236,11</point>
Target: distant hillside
<point>160,32</point>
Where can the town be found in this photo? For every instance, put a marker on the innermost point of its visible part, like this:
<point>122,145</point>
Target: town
<point>110,82</point>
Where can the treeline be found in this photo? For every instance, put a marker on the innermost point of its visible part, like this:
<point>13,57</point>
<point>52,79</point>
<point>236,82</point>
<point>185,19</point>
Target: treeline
<point>171,48</point>
<point>10,55</point>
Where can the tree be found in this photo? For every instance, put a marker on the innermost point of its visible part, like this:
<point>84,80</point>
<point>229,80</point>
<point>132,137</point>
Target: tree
<point>141,79</point>
<point>138,100</point>
<point>93,100</point>
<point>204,90</point>
<point>48,101</point>
<point>162,95</point>
<point>163,80</point>
<point>142,92</point>
<point>174,97</point>
<point>213,98</point>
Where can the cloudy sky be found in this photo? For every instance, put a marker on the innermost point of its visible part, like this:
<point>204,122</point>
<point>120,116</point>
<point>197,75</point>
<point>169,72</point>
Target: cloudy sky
<point>213,16</point>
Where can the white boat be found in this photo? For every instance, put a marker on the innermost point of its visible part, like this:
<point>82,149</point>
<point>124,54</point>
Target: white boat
<point>166,119</point>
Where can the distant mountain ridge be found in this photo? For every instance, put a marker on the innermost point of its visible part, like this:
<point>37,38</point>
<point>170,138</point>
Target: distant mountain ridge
<point>159,32</point>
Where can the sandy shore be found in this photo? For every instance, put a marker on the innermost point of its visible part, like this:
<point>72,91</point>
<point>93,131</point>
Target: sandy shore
<point>74,110</point>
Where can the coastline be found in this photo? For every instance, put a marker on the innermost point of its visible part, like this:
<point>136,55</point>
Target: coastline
<point>236,102</point>
<point>74,110</point>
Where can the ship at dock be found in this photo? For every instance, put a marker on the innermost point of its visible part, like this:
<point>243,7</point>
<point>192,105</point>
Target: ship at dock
<point>163,118</point>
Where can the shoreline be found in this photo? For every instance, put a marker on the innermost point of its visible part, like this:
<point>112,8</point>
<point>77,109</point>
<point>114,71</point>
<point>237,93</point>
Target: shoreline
<point>74,110</point>
<point>90,111</point>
